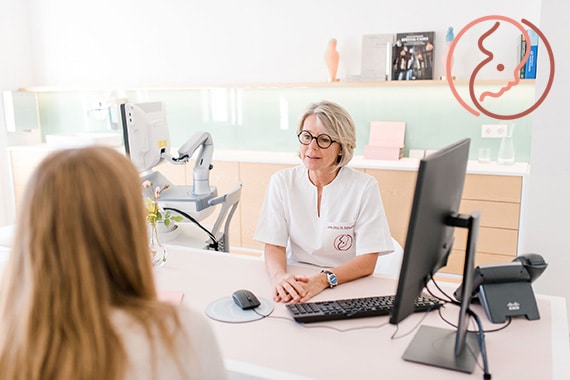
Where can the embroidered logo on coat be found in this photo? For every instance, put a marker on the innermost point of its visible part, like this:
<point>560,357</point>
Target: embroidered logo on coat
<point>343,242</point>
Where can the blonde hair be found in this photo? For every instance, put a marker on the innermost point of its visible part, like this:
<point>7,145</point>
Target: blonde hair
<point>80,252</point>
<point>336,122</point>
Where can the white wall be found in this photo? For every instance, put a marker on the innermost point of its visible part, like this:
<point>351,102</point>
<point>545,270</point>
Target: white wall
<point>548,215</point>
<point>15,71</point>
<point>137,42</point>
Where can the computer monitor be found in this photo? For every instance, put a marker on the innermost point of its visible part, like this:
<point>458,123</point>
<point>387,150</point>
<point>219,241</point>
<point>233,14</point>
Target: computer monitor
<point>430,237</point>
<point>147,143</point>
<point>145,133</point>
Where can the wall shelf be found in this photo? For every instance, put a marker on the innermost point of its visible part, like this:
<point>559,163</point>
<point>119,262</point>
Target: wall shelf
<point>413,83</point>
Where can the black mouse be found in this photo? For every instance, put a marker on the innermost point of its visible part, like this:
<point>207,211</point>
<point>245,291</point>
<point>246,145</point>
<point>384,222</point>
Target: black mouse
<point>245,299</point>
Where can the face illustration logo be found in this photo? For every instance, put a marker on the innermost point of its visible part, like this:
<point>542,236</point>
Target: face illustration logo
<point>481,99</point>
<point>343,242</point>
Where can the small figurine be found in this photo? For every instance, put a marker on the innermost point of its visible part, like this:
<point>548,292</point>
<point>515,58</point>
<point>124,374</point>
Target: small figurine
<point>331,59</point>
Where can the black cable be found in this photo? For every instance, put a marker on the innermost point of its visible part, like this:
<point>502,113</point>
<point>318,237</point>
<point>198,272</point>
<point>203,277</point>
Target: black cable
<point>480,332</point>
<point>214,244</point>
<point>507,324</point>
<point>449,298</point>
<point>456,303</point>
<point>482,346</point>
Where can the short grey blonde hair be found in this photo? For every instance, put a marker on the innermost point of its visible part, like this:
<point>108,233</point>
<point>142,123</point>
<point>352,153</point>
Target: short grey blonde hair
<point>336,122</point>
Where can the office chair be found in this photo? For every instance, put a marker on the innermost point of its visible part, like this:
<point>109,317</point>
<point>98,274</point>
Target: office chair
<point>221,228</point>
<point>389,264</point>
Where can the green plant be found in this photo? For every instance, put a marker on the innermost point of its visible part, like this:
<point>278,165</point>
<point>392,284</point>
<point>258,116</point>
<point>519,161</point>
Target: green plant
<point>154,214</point>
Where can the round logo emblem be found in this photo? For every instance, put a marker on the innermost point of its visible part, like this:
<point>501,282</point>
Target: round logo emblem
<point>343,242</point>
<point>487,100</point>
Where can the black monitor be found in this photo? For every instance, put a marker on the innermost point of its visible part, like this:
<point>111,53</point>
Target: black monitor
<point>430,237</point>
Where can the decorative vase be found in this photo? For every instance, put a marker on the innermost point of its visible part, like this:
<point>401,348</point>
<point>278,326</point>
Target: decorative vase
<point>331,60</point>
<point>158,252</point>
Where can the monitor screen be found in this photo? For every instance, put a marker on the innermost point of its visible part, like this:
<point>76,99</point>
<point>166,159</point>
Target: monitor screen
<point>145,133</point>
<point>430,236</point>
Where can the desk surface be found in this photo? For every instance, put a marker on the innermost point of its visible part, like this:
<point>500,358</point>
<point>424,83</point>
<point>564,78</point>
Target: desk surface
<point>277,347</point>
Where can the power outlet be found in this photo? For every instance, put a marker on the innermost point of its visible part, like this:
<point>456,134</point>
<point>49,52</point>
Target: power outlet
<point>493,131</point>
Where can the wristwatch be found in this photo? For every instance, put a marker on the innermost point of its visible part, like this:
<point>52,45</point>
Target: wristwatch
<point>331,278</point>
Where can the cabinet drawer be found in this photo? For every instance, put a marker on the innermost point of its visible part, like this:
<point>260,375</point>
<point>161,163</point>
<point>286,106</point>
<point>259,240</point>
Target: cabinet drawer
<point>397,191</point>
<point>493,214</point>
<point>490,240</point>
<point>493,188</point>
<point>457,260</point>
<point>255,178</point>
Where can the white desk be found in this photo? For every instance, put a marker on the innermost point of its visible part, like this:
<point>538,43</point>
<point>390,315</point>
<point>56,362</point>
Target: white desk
<point>274,348</point>
<point>283,349</point>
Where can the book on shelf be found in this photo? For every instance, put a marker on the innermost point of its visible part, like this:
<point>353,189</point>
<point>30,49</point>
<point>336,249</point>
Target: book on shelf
<point>522,53</point>
<point>528,71</point>
<point>376,57</point>
<point>412,56</point>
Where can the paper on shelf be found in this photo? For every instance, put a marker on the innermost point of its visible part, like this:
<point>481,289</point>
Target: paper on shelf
<point>387,133</point>
<point>386,141</point>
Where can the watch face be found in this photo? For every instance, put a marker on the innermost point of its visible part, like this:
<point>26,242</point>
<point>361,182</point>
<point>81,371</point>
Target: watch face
<point>332,279</point>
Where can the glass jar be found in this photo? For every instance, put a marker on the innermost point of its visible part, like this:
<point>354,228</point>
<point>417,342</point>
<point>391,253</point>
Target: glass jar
<point>158,252</point>
<point>506,154</point>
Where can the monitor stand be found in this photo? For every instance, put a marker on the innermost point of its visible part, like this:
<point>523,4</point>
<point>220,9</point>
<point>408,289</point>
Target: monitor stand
<point>435,346</point>
<point>452,349</point>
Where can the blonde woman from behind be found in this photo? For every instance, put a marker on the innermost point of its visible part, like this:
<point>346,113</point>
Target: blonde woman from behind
<point>78,298</point>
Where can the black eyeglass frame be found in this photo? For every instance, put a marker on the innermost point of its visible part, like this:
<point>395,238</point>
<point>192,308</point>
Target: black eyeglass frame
<point>316,138</point>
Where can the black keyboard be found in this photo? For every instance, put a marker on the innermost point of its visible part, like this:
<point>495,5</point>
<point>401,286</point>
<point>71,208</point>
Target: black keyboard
<point>355,308</point>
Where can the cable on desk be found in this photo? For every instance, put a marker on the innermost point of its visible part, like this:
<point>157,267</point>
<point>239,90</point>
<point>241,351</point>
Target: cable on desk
<point>456,303</point>
<point>507,324</point>
<point>214,244</point>
<point>324,326</point>
<point>417,325</point>
<point>316,326</point>
<point>448,299</point>
<point>262,315</point>
<point>480,331</point>
<point>482,346</point>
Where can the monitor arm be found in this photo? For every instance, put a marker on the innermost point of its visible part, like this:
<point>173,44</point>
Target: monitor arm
<point>203,165</point>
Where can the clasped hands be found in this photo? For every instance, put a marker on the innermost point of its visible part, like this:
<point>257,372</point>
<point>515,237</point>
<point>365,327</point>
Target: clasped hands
<point>290,288</point>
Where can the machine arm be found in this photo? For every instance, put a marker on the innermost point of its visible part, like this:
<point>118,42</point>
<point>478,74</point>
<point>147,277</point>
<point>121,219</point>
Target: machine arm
<point>203,165</point>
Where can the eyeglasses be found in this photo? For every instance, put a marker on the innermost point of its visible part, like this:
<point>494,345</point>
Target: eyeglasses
<point>323,140</point>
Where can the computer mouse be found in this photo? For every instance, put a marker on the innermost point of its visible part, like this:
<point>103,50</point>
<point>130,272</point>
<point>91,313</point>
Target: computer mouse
<point>245,299</point>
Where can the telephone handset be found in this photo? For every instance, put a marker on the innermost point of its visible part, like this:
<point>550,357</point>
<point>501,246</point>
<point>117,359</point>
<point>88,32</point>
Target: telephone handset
<point>505,289</point>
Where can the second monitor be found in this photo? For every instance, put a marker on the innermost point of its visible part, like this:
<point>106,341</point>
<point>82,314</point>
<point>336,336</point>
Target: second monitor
<point>430,237</point>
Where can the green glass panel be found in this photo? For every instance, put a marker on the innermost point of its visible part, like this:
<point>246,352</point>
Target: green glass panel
<point>265,119</point>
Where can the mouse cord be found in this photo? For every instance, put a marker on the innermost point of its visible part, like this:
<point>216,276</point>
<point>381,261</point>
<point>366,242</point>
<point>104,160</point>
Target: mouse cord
<point>261,315</point>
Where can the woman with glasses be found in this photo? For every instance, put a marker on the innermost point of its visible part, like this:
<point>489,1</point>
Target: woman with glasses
<point>322,212</point>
